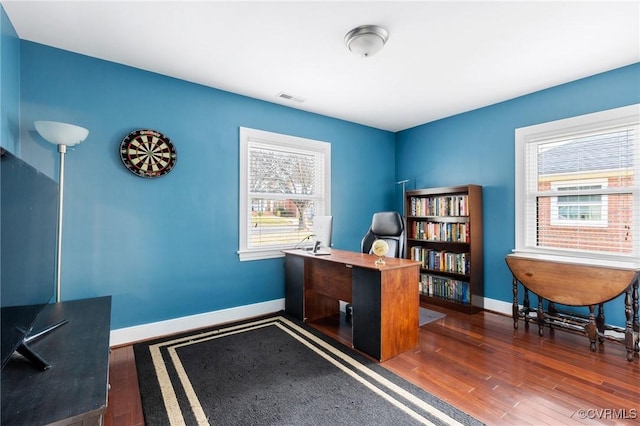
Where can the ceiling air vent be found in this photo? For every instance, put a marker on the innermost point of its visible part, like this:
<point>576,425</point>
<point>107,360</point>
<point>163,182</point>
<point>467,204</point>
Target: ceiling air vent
<point>289,97</point>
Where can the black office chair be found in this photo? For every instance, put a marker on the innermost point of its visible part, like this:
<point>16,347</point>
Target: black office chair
<point>387,226</point>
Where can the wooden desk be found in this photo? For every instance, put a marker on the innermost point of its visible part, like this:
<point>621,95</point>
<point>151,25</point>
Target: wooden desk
<point>74,390</point>
<point>385,299</point>
<point>575,284</point>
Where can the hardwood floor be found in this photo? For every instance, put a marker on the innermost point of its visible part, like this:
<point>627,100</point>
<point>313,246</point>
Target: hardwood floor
<point>484,367</point>
<point>124,407</point>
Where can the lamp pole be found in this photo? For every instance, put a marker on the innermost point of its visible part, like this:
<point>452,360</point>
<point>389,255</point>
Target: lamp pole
<point>403,183</point>
<point>62,149</point>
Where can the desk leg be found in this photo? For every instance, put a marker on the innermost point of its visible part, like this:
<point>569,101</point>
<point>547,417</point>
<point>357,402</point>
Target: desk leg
<point>294,286</point>
<point>366,322</point>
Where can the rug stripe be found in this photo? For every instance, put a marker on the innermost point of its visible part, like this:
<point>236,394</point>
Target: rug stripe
<point>319,346</point>
<point>187,384</point>
<point>169,397</point>
<point>194,402</point>
<point>168,394</point>
<point>358,378</point>
<point>395,388</point>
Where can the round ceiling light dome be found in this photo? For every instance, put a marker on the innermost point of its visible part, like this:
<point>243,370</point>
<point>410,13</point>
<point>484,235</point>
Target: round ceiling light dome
<point>366,40</point>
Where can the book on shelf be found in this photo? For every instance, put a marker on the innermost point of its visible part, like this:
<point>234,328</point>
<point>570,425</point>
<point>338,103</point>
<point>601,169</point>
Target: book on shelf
<point>444,205</point>
<point>437,231</point>
<point>446,288</point>
<point>442,260</point>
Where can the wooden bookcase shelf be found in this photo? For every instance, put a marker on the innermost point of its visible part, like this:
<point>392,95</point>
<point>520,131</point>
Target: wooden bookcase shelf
<point>444,232</point>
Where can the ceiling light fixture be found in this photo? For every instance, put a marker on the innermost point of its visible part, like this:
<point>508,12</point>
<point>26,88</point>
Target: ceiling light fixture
<point>366,40</point>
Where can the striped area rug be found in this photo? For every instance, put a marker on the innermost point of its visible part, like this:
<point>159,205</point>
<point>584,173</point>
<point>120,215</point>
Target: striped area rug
<point>276,370</point>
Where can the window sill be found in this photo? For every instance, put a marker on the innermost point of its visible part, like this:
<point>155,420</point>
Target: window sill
<point>249,255</point>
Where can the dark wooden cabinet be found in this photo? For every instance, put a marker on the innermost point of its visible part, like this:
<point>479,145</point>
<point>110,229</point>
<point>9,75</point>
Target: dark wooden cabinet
<point>74,390</point>
<point>444,232</point>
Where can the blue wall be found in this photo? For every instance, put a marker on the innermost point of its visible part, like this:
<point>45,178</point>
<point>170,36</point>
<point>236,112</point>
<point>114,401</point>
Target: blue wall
<point>166,247</point>
<point>478,147</point>
<point>9,84</point>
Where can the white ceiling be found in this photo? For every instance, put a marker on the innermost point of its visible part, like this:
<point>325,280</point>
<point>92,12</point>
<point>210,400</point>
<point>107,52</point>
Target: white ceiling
<point>442,57</point>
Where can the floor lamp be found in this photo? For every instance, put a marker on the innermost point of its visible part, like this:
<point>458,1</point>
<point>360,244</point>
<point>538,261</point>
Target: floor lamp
<point>404,192</point>
<point>63,135</point>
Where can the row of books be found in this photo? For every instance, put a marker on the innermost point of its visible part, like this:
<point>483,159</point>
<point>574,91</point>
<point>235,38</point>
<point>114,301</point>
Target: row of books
<point>436,231</point>
<point>447,288</point>
<point>446,205</point>
<point>436,260</point>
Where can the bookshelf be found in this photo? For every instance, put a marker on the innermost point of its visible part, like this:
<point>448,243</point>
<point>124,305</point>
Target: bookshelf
<point>444,233</point>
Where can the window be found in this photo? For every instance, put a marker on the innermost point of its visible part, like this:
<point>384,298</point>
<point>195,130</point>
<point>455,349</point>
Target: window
<point>579,210</point>
<point>284,182</point>
<point>578,187</point>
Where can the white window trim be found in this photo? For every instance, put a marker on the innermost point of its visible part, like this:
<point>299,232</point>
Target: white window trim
<point>629,115</point>
<point>289,142</point>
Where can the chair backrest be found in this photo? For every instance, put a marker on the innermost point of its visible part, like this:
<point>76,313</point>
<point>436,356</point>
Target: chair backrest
<point>388,226</point>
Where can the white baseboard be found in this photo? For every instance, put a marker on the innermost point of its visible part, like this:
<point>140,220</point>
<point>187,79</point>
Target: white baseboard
<point>129,335</point>
<point>498,306</point>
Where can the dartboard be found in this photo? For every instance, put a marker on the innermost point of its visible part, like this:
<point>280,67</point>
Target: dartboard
<point>148,153</point>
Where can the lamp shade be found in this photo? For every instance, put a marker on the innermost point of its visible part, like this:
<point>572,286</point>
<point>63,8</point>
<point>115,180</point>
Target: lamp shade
<point>366,40</point>
<point>61,133</point>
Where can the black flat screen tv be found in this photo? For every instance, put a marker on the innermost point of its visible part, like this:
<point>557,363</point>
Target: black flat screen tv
<point>28,228</point>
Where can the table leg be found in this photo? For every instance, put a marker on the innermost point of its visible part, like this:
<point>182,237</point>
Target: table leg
<point>526,308</point>
<point>540,319</point>
<point>551,308</point>
<point>600,322</point>
<point>628,330</point>
<point>592,329</point>
<point>515,310</point>
<point>636,323</point>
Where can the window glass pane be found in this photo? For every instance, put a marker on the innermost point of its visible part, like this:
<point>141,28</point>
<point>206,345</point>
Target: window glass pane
<point>576,212</point>
<point>274,171</point>
<point>611,150</point>
<point>615,237</point>
<point>277,222</point>
<point>284,186</point>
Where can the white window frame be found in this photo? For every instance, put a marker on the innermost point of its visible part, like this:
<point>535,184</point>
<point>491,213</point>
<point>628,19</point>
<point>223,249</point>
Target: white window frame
<point>525,197</point>
<point>280,141</point>
<point>604,204</point>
